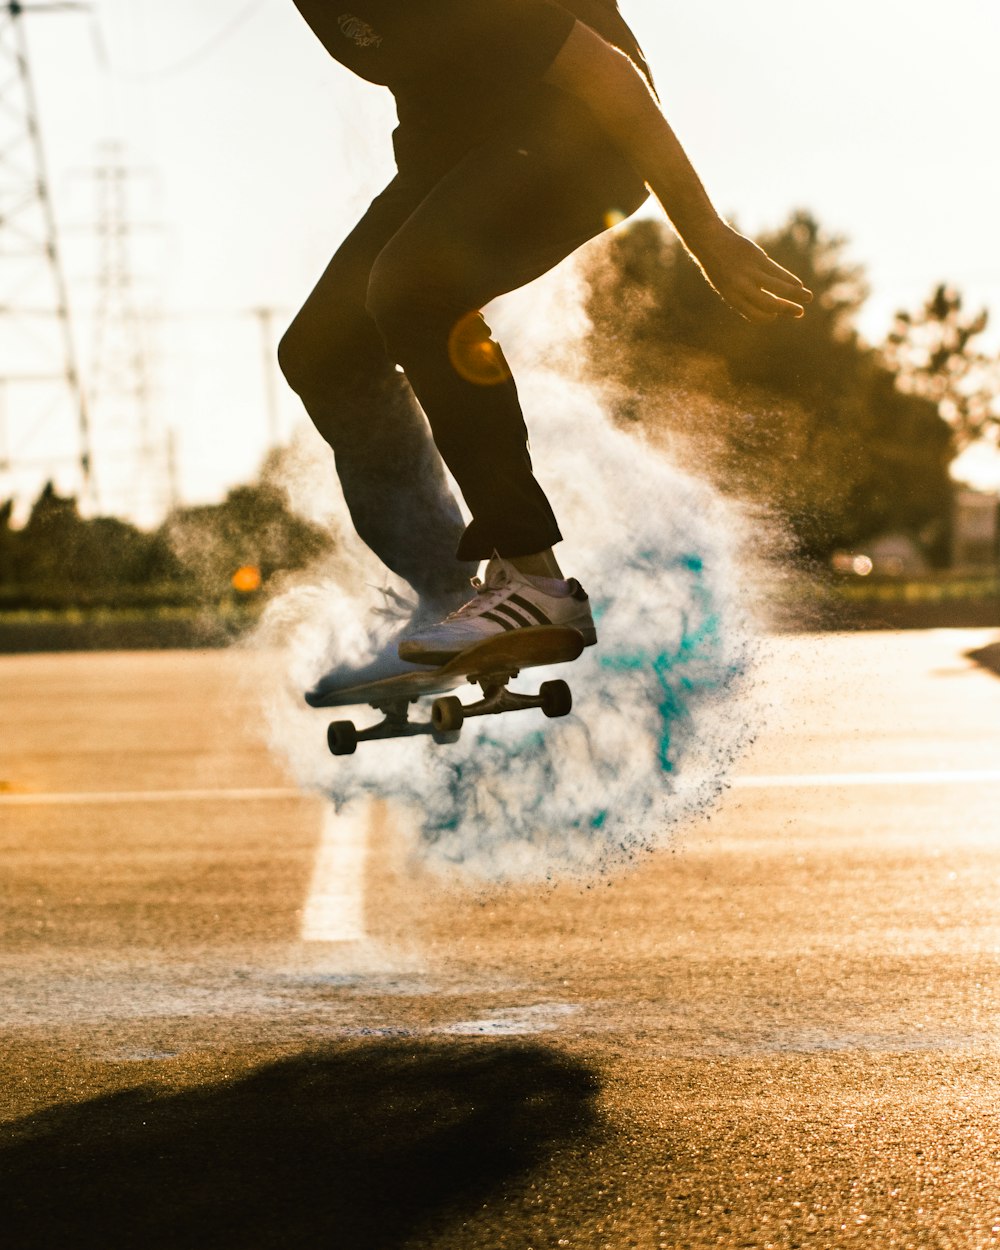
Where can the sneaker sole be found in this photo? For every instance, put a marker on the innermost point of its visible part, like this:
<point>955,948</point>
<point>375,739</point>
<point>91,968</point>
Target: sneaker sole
<point>419,653</point>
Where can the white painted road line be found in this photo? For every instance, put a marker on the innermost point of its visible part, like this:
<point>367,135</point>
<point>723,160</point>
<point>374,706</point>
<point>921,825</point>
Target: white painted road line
<point>958,777</point>
<point>147,796</point>
<point>335,906</point>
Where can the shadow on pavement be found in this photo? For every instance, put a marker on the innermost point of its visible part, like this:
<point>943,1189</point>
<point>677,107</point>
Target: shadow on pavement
<point>358,1147</point>
<point>987,657</point>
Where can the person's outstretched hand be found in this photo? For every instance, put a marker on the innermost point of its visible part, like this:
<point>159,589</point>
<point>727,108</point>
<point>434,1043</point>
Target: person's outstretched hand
<point>749,281</point>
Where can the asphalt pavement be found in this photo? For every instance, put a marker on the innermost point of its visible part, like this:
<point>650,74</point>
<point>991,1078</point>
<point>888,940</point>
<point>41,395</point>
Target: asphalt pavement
<point>233,1018</point>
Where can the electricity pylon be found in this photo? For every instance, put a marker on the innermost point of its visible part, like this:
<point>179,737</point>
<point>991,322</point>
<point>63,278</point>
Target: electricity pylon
<point>119,381</point>
<point>43,411</point>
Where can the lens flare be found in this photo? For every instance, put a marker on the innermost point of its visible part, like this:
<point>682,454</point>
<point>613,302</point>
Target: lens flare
<point>474,355</point>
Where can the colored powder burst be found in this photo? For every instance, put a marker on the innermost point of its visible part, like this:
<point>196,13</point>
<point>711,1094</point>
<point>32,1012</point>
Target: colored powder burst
<point>660,711</point>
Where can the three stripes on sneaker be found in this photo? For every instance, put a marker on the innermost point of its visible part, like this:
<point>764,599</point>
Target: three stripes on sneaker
<point>508,617</point>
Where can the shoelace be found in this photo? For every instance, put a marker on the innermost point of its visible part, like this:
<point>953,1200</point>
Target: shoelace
<point>488,594</point>
<point>395,607</point>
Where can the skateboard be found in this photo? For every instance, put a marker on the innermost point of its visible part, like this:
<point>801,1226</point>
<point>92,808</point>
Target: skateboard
<point>490,664</point>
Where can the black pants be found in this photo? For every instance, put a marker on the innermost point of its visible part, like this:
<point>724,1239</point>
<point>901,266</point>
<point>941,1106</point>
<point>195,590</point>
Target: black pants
<point>405,290</point>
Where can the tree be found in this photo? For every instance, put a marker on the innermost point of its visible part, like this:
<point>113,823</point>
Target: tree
<point>798,415</point>
<point>934,354</point>
<point>60,557</point>
<point>58,554</point>
<point>254,525</point>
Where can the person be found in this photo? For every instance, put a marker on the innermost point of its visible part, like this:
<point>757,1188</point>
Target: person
<point>526,128</point>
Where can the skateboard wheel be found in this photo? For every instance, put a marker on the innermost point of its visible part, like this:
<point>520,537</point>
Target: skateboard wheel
<point>557,698</point>
<point>342,737</point>
<point>447,715</point>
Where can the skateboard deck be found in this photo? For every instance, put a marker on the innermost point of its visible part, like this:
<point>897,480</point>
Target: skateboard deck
<point>490,664</point>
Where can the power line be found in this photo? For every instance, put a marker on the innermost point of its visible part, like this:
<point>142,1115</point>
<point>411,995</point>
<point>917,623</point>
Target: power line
<point>184,63</point>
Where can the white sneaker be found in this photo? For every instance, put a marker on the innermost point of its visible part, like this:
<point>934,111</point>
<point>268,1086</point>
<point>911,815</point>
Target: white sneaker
<point>386,662</point>
<point>505,599</point>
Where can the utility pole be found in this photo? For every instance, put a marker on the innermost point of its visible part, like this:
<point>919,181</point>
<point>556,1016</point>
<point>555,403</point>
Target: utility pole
<point>39,373</point>
<point>266,320</point>
<point>173,481</point>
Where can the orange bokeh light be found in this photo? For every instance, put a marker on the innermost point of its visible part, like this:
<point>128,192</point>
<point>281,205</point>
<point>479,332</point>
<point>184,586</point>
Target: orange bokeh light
<point>246,579</point>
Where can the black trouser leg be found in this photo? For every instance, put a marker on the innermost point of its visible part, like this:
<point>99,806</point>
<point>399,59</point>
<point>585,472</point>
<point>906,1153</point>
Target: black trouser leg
<point>407,287</point>
<point>391,474</point>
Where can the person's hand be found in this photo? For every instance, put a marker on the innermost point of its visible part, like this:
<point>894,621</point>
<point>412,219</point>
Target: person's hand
<point>749,281</point>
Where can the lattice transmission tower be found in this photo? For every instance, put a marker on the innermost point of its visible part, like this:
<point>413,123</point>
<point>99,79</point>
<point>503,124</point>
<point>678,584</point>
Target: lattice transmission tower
<point>120,389</point>
<point>44,422</point>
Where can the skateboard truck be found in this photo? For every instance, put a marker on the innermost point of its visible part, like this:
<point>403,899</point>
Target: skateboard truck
<point>490,664</point>
<point>449,713</point>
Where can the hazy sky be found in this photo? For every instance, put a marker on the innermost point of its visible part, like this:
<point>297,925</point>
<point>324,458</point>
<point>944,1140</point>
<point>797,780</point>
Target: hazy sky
<point>254,153</point>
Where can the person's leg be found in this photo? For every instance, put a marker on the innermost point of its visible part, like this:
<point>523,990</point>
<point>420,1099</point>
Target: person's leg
<point>538,563</point>
<point>392,477</point>
<point>508,212</point>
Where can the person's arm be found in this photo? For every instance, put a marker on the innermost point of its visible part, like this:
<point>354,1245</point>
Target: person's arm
<point>614,91</point>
